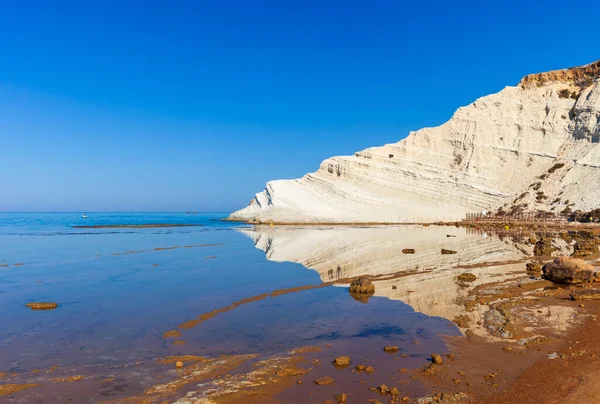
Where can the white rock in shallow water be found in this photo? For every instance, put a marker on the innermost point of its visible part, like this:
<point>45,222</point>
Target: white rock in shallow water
<point>489,154</point>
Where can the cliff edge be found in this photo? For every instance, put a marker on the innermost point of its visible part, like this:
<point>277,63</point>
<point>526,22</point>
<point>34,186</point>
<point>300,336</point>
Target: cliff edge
<point>535,146</point>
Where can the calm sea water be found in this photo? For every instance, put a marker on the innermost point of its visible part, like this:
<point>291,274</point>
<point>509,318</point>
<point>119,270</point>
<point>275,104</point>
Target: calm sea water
<point>120,290</point>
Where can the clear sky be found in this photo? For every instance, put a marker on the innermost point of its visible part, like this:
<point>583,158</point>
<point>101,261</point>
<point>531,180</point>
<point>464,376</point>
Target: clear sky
<point>194,105</point>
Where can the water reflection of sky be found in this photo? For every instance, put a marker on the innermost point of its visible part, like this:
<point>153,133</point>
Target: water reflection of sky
<point>114,308</point>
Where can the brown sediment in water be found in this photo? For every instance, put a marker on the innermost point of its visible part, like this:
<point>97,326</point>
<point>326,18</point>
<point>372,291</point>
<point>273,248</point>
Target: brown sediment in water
<point>203,245</point>
<point>136,226</point>
<point>69,379</point>
<point>6,389</point>
<point>172,334</point>
<point>166,248</point>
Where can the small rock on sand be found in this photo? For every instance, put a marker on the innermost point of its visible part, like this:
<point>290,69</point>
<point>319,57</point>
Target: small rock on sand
<point>586,294</point>
<point>444,251</point>
<point>437,359</point>
<point>467,277</point>
<point>42,305</point>
<point>324,380</point>
<point>391,349</point>
<point>408,251</point>
<point>341,361</point>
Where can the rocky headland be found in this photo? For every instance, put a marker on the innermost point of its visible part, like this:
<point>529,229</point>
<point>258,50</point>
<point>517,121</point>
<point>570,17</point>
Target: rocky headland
<point>530,147</point>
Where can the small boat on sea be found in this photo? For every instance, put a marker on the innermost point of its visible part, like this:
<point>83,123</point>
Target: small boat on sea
<point>84,216</point>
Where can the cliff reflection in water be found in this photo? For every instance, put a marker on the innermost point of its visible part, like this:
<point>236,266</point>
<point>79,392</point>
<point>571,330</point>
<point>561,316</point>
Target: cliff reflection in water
<point>426,280</point>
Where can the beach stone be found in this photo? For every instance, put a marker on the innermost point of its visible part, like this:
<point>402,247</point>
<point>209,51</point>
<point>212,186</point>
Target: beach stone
<point>383,389</point>
<point>287,372</point>
<point>342,399</point>
<point>324,380</point>
<point>586,248</point>
<point>364,368</point>
<point>467,277</point>
<point>534,269</point>
<point>408,251</point>
<point>42,305</point>
<point>586,294</point>
<point>179,364</point>
<point>437,359</point>
<point>361,289</point>
<point>444,251</point>
<point>363,286</point>
<point>568,270</point>
<point>341,361</point>
<point>394,392</point>
<point>391,349</point>
<point>543,248</point>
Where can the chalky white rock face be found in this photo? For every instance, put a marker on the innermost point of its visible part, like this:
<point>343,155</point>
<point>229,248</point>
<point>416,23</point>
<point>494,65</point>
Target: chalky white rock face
<point>490,154</point>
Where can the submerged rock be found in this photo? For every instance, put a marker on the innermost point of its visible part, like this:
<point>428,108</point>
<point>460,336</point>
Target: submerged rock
<point>391,349</point>
<point>569,270</point>
<point>364,368</point>
<point>324,380</point>
<point>42,305</point>
<point>341,361</point>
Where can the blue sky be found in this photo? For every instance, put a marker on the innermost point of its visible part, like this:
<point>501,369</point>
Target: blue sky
<point>194,105</point>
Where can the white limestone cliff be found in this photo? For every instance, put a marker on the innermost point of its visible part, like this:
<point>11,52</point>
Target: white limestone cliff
<point>491,153</point>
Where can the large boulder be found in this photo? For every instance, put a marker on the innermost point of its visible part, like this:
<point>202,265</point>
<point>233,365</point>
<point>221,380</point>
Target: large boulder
<point>569,270</point>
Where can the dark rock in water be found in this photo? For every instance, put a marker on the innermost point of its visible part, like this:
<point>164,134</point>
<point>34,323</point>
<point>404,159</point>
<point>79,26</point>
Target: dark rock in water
<point>569,270</point>
<point>391,349</point>
<point>534,268</point>
<point>362,285</point>
<point>467,277</point>
<point>444,251</point>
<point>587,248</point>
<point>361,289</point>
<point>408,251</point>
<point>586,294</point>
<point>543,248</point>
<point>341,361</point>
<point>324,380</point>
<point>42,305</point>
<point>437,359</point>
